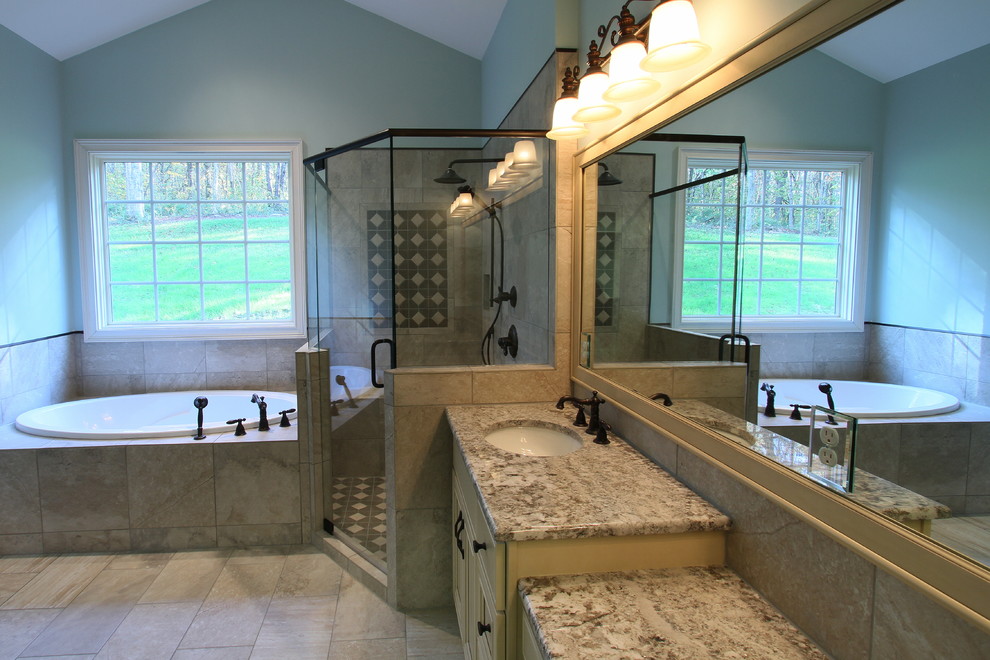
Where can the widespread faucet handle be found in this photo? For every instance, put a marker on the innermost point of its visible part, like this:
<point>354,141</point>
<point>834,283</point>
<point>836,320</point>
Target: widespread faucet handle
<point>579,419</point>
<point>601,438</point>
<point>240,426</point>
<point>285,417</point>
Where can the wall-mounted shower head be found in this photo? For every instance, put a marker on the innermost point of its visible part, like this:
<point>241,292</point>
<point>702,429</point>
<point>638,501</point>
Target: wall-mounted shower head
<point>606,178</point>
<point>450,176</point>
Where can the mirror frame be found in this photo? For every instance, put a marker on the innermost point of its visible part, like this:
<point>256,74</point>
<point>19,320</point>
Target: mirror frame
<point>958,583</point>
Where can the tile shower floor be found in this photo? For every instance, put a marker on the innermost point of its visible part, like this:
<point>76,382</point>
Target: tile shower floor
<point>273,602</point>
<point>358,509</point>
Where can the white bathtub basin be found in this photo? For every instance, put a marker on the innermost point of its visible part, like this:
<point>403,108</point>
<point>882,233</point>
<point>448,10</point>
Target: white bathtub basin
<point>158,415</point>
<point>859,398</point>
<point>533,441</point>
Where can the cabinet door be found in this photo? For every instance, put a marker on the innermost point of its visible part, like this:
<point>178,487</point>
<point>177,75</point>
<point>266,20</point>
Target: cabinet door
<point>460,560</point>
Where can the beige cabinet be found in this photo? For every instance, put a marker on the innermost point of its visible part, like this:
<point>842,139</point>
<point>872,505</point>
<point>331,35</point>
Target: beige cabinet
<point>486,572</point>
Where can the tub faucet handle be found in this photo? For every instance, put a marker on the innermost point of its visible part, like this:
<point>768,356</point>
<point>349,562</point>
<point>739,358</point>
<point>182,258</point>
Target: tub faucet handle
<point>579,418</point>
<point>240,425</point>
<point>285,417</point>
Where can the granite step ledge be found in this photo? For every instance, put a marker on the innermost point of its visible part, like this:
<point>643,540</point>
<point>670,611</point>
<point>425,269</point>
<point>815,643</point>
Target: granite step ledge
<point>688,613</point>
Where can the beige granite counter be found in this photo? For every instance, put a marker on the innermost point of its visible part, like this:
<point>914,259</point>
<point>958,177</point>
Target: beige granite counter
<point>687,613</point>
<point>598,490</point>
<point>874,492</point>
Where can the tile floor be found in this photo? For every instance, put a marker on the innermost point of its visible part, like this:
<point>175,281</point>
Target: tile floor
<point>220,604</point>
<point>358,510</point>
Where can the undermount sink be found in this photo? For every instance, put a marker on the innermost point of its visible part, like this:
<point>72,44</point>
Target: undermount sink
<point>533,441</point>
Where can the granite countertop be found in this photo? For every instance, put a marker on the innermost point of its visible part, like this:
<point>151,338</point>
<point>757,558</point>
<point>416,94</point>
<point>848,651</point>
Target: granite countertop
<point>670,613</point>
<point>871,491</point>
<point>598,490</point>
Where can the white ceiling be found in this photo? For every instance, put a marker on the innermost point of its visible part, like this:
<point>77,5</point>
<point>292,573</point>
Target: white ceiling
<point>912,36</point>
<point>908,37</point>
<point>64,28</point>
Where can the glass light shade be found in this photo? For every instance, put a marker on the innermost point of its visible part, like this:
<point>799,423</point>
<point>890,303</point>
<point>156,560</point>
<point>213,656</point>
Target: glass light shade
<point>462,206</point>
<point>493,182</point>
<point>563,125</point>
<point>524,156</point>
<point>511,172</point>
<point>675,41</point>
<point>629,81</point>
<point>591,106</point>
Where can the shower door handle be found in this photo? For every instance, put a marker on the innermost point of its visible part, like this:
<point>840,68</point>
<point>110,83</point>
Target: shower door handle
<point>374,361</point>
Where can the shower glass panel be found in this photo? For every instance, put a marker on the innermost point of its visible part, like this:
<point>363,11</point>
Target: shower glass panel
<point>408,271</point>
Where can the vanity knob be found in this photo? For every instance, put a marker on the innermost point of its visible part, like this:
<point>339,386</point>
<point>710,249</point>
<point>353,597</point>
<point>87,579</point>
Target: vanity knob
<point>484,628</point>
<point>478,546</point>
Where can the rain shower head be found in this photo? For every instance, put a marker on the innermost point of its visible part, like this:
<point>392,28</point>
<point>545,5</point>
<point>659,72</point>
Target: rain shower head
<point>606,178</point>
<point>450,176</point>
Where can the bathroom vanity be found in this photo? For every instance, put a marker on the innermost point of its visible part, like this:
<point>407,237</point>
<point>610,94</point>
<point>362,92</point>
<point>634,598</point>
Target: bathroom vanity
<point>598,508</point>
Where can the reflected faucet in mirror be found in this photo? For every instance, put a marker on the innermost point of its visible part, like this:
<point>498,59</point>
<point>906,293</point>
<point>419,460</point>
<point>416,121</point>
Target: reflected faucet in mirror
<point>660,396</point>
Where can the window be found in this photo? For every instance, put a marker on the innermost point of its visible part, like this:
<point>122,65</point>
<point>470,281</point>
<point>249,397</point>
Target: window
<point>190,239</point>
<point>802,246</point>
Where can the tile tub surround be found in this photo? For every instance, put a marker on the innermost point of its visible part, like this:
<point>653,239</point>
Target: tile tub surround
<point>673,613</point>
<point>38,373</point>
<point>848,605</point>
<point>59,495</point>
<point>944,457</point>
<point>560,497</point>
<point>874,492</point>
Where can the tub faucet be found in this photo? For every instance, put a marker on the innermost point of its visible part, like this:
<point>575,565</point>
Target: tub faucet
<point>593,402</point>
<point>199,403</point>
<point>262,412</point>
<point>770,410</point>
<point>826,389</point>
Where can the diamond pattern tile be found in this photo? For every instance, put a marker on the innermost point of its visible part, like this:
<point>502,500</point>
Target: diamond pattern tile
<point>605,272</point>
<point>417,296</point>
<point>358,509</point>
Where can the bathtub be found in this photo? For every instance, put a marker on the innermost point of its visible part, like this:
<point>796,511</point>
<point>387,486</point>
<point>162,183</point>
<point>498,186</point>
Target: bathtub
<point>159,415</point>
<point>860,398</point>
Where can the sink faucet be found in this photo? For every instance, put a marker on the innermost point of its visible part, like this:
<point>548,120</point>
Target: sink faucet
<point>262,412</point>
<point>593,402</point>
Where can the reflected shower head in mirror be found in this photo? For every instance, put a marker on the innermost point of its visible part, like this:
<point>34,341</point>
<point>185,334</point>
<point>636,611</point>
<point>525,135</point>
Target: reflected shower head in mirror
<point>606,178</point>
<point>450,176</point>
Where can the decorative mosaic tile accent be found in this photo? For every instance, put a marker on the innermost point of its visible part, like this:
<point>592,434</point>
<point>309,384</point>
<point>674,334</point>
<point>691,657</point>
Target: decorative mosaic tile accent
<point>605,270</point>
<point>358,510</point>
<point>420,287</point>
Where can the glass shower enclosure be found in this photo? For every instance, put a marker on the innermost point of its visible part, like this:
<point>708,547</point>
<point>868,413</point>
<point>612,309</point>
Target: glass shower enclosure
<point>424,248</point>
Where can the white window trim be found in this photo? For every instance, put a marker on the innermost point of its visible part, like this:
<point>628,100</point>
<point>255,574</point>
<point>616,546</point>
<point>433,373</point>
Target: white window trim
<point>852,301</point>
<point>89,156</point>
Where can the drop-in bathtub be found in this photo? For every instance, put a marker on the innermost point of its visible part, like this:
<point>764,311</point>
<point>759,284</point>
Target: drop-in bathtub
<point>860,398</point>
<point>158,415</point>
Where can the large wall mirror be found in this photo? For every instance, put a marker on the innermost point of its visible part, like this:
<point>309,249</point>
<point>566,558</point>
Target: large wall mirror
<point>860,254</point>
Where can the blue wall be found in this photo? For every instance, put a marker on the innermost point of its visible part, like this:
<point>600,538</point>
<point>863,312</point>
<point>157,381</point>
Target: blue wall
<point>36,262</point>
<point>932,258</point>
<point>320,70</point>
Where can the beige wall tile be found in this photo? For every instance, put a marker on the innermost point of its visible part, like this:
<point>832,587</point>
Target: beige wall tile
<point>171,486</point>
<point>422,449</point>
<point>257,483</point>
<point>83,488</point>
<point>426,387</point>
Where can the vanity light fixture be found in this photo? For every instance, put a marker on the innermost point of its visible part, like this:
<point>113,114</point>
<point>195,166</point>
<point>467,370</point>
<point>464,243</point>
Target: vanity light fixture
<point>520,166</point>
<point>591,107</point>
<point>629,82</point>
<point>673,42</point>
<point>564,125</point>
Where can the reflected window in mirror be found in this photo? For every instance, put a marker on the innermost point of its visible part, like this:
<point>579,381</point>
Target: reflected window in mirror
<point>805,218</point>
